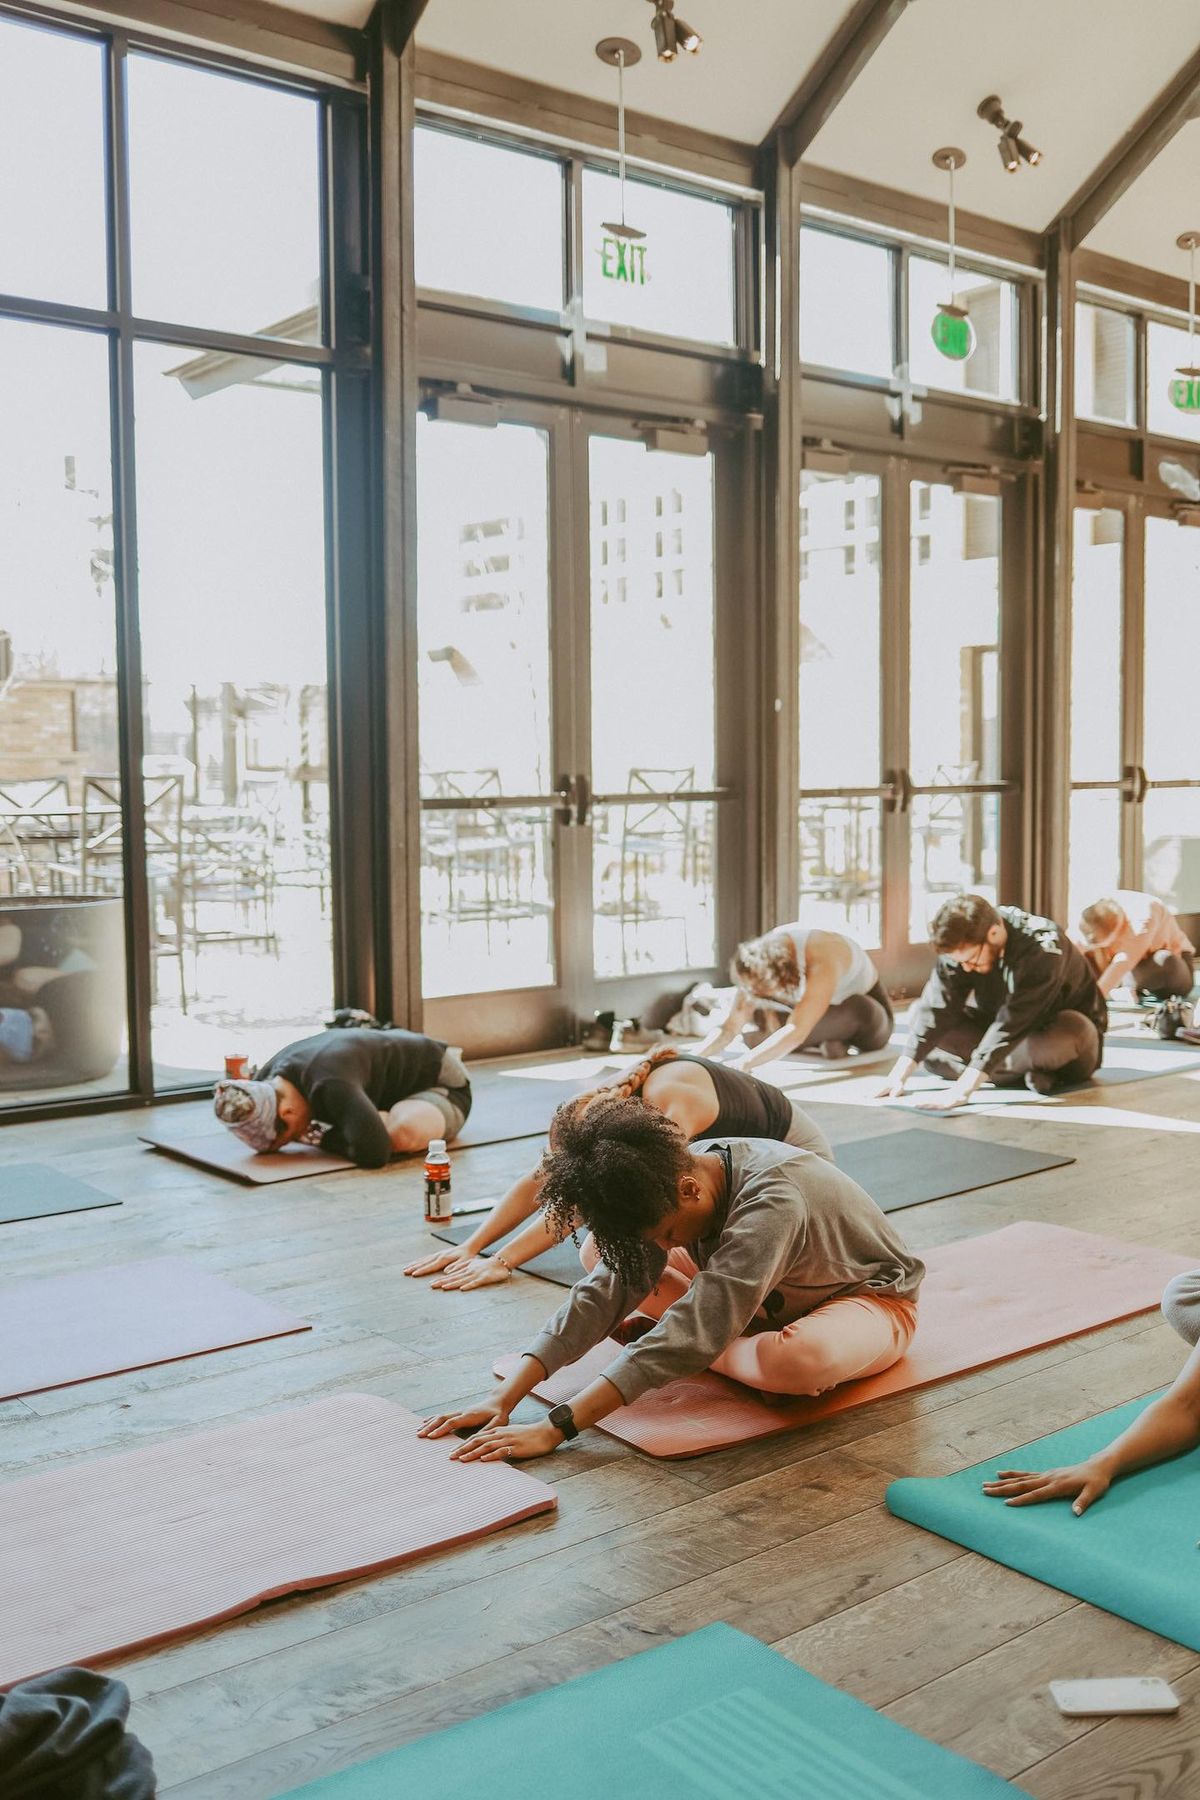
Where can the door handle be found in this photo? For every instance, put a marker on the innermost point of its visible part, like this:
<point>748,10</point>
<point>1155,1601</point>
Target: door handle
<point>1135,783</point>
<point>583,801</point>
<point>897,791</point>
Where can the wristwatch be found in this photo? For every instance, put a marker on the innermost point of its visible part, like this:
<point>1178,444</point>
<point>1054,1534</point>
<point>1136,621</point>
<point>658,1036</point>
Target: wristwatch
<point>563,1419</point>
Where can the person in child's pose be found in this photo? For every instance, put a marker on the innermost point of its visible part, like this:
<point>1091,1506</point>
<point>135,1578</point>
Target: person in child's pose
<point>367,1095</point>
<point>702,1098</point>
<point>1168,1427</point>
<point>1132,938</point>
<point>825,984</point>
<point>759,1260</point>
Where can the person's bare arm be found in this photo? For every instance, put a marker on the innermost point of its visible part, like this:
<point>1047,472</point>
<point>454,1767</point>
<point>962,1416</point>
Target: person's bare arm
<point>521,1199</point>
<point>1168,1427</point>
<point>734,1022</point>
<point>478,1271</point>
<point>827,958</point>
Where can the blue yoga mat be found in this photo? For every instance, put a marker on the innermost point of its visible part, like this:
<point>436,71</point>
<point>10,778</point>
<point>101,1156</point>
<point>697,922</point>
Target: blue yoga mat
<point>712,1716</point>
<point>1133,1553</point>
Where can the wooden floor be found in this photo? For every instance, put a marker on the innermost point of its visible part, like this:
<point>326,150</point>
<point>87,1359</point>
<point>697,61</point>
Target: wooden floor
<point>788,1540</point>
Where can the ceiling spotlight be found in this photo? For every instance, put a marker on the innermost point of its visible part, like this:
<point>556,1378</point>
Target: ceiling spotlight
<point>671,34</point>
<point>1013,148</point>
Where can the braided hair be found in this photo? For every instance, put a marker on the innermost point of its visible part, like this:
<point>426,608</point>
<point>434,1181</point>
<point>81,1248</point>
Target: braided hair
<point>616,1169</point>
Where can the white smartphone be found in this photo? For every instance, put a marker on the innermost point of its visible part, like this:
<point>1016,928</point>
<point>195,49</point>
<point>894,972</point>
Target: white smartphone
<point>1114,1694</point>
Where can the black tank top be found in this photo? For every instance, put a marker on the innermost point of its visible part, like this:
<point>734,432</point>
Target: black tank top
<point>747,1107</point>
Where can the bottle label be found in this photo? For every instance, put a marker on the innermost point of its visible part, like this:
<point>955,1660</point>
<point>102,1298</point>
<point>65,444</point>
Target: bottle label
<point>438,1205</point>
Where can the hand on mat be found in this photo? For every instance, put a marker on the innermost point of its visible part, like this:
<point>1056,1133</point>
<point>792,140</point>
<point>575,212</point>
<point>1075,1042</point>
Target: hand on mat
<point>947,1102</point>
<point>1084,1483</point>
<point>471,1418</point>
<point>509,1443</point>
<point>473,1272</point>
<point>434,1264</point>
<point>891,1090</point>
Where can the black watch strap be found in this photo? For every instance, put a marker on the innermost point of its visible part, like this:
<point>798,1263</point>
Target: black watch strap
<point>563,1419</point>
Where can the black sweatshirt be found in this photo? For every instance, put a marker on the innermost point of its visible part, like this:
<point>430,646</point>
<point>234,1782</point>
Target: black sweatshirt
<point>350,1077</point>
<point>1038,973</point>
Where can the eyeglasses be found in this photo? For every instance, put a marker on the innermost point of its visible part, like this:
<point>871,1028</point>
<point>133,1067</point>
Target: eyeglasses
<point>973,962</point>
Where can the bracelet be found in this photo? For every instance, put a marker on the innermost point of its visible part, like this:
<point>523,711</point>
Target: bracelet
<point>499,1258</point>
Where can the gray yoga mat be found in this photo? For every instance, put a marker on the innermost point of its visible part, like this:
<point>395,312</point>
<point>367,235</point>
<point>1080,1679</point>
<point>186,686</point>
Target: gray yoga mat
<point>508,1104</point>
<point>36,1191</point>
<point>897,1169</point>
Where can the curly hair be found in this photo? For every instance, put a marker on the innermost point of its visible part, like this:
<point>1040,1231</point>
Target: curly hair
<point>615,1169</point>
<point>768,966</point>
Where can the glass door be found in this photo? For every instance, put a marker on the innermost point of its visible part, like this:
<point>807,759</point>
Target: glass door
<point>653,694</point>
<point>900,680</point>
<point>950,762</point>
<point>493,796</point>
<point>1135,791</point>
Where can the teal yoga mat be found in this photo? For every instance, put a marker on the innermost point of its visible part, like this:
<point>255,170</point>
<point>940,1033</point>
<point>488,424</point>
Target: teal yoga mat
<point>561,1265</point>
<point>1133,1553</point>
<point>712,1716</point>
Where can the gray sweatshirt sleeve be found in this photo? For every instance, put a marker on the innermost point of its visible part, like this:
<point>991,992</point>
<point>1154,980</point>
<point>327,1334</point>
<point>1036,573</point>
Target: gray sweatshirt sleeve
<point>756,1249</point>
<point>593,1308</point>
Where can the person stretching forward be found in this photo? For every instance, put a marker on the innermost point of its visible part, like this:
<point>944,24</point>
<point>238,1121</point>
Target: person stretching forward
<point>1168,1427</point>
<point>1010,998</point>
<point>704,1099</point>
<point>758,1260</point>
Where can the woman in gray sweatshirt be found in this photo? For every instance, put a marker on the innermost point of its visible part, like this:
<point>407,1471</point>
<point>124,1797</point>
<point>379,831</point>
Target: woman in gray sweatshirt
<point>761,1261</point>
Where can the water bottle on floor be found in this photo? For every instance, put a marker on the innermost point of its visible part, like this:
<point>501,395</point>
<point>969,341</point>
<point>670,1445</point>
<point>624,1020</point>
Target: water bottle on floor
<point>438,1207</point>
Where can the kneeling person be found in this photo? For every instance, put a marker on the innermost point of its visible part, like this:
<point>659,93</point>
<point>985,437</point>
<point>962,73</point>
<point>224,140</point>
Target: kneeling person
<point>760,1261</point>
<point>1010,999</point>
<point>365,1094</point>
<point>1135,939</point>
<point>705,1099</point>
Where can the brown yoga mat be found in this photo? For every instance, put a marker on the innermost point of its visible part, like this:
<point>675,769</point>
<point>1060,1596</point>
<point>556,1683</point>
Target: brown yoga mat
<point>122,1552</point>
<point>67,1328</point>
<point>219,1150</point>
<point>984,1299</point>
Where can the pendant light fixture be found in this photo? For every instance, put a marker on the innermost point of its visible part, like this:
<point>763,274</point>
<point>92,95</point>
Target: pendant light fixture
<point>951,330</point>
<point>620,54</point>
<point>1184,391</point>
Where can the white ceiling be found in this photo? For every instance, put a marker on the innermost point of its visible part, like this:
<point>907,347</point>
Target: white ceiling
<point>1077,72</point>
<point>756,52</point>
<point>1142,227</point>
<point>353,13</point>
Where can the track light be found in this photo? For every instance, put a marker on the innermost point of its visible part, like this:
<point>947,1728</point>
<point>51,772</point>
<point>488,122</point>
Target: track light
<point>671,35</point>
<point>1014,150</point>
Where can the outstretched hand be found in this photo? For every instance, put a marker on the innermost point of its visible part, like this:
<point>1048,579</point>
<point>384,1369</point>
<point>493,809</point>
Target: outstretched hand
<point>509,1443</point>
<point>487,1414</point>
<point>1083,1483</point>
<point>435,1263</point>
<point>474,1272</point>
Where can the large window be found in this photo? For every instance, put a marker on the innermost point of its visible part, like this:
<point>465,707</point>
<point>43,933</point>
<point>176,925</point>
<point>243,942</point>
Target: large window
<point>845,303</point>
<point>1105,386</point>
<point>51,166</point>
<point>489,220</point>
<point>991,303</point>
<point>676,280</point>
<point>213,188</point>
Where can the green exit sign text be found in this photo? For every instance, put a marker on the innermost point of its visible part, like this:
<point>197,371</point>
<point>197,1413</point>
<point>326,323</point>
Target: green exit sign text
<point>1184,393</point>
<point>621,260</point>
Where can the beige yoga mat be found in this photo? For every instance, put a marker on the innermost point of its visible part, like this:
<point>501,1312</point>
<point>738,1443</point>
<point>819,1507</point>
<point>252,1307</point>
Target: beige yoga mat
<point>122,1552</point>
<point>218,1149</point>
<point>983,1299</point>
<point>78,1327</point>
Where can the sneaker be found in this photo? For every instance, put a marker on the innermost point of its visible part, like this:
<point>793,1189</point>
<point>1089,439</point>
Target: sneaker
<point>597,1035</point>
<point>834,1050</point>
<point>1041,1081</point>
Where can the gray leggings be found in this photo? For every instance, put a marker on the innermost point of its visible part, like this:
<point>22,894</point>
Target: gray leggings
<point>1181,1306</point>
<point>864,1021</point>
<point>1069,1047</point>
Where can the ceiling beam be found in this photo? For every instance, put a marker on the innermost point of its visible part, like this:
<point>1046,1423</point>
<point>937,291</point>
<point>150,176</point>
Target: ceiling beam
<point>399,20</point>
<point>1133,155</point>
<point>833,75</point>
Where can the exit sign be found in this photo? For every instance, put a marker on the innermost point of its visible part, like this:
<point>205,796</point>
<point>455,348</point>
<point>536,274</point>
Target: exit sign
<point>621,260</point>
<point>1183,391</point>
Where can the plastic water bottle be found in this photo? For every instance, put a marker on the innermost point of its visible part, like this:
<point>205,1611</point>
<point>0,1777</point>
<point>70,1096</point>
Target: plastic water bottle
<point>438,1206</point>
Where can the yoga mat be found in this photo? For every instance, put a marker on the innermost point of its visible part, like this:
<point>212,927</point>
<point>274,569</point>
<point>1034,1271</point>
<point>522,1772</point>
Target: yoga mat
<point>125,1551</point>
<point>907,1168</point>
<point>1133,1552</point>
<point>35,1191</point>
<point>68,1328</point>
<point>517,1103</point>
<point>219,1150</point>
<point>983,1299</point>
<point>714,1715</point>
<point>561,1265</point>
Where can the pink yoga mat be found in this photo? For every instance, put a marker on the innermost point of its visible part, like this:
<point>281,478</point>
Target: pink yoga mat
<point>125,1551</point>
<point>219,1150</point>
<point>984,1299</point>
<point>69,1328</point>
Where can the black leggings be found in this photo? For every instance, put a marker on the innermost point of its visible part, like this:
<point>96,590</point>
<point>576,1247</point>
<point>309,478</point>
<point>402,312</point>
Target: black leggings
<point>1069,1047</point>
<point>1165,973</point>
<point>864,1022</point>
